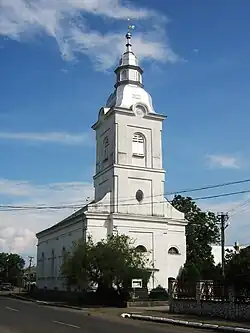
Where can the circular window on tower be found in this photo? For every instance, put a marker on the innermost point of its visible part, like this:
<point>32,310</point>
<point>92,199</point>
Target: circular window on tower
<point>139,195</point>
<point>140,110</point>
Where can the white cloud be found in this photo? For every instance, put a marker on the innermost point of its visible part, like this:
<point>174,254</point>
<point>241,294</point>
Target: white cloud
<point>67,21</point>
<point>15,188</point>
<point>16,240</point>
<point>55,137</point>
<point>224,161</point>
<point>18,227</point>
<point>48,194</point>
<point>110,8</point>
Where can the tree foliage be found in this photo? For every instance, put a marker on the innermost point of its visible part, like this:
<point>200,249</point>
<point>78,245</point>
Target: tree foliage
<point>189,273</point>
<point>11,267</point>
<point>159,293</point>
<point>238,268</point>
<point>202,231</point>
<point>110,262</point>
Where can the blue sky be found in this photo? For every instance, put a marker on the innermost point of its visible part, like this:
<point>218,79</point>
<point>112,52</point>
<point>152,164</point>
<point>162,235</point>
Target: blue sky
<point>56,68</point>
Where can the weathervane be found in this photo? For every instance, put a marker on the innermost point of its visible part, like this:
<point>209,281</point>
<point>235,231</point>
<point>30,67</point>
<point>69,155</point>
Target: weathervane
<point>129,36</point>
<point>131,27</point>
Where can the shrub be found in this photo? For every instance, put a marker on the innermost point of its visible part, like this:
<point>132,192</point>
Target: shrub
<point>159,293</point>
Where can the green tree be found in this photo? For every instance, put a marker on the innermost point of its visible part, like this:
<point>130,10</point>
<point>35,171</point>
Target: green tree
<point>238,268</point>
<point>202,231</point>
<point>229,255</point>
<point>113,261</point>
<point>189,273</point>
<point>3,265</point>
<point>11,267</point>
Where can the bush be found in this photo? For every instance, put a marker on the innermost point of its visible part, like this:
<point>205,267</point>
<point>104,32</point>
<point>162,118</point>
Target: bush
<point>159,293</point>
<point>101,297</point>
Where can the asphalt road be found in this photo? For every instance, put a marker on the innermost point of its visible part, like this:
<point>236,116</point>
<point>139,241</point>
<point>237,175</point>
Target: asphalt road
<point>26,317</point>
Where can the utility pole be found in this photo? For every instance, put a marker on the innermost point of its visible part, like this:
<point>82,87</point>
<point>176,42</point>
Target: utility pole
<point>223,217</point>
<point>30,264</point>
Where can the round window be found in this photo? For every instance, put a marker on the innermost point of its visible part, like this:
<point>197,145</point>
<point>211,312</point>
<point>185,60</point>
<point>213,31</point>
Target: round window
<point>139,195</point>
<point>140,110</point>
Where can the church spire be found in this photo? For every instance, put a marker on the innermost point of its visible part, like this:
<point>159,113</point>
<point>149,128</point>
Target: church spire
<point>128,37</point>
<point>128,71</point>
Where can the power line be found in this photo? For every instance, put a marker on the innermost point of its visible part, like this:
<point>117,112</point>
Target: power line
<point>23,208</point>
<point>221,195</point>
<point>196,189</point>
<point>244,208</point>
<point>241,205</point>
<point>207,187</point>
<point>80,204</point>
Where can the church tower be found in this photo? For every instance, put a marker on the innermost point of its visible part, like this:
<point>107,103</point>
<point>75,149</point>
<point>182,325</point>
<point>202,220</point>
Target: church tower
<point>129,186</point>
<point>129,173</point>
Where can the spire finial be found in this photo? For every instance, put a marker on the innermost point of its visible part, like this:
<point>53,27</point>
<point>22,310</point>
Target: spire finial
<point>131,27</point>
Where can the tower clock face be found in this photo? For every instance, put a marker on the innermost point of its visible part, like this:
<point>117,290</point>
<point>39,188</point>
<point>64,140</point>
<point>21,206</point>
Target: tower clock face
<point>140,110</point>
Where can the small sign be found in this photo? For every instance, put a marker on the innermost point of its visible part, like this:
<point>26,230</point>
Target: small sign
<point>136,283</point>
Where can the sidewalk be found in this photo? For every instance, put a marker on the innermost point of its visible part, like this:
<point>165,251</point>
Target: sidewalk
<point>189,320</point>
<point>163,316</point>
<point>219,321</point>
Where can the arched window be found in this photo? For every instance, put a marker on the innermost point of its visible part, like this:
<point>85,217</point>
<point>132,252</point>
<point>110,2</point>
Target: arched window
<point>173,250</point>
<point>134,75</point>
<point>63,254</point>
<point>106,148</point>
<point>123,75</point>
<point>141,249</point>
<point>138,144</point>
<point>42,264</point>
<point>52,263</point>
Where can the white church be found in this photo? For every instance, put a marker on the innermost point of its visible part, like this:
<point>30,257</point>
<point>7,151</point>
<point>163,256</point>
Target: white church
<point>129,186</point>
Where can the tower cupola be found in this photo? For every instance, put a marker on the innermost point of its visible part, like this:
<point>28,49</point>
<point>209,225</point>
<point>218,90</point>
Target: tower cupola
<point>129,71</point>
<point>129,89</point>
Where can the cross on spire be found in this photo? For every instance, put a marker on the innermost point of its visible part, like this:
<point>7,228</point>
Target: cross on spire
<point>131,27</point>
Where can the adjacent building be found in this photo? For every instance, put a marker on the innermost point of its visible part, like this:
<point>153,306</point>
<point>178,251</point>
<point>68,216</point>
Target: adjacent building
<point>216,251</point>
<point>129,185</point>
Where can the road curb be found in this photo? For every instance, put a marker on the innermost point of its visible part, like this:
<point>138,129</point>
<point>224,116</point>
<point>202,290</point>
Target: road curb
<point>220,328</point>
<point>44,302</point>
<point>28,299</point>
<point>60,305</point>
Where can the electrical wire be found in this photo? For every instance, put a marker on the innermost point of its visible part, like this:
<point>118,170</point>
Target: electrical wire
<point>196,189</point>
<point>59,207</point>
<point>241,205</point>
<point>80,204</point>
